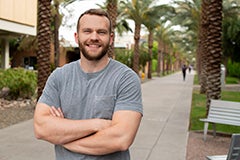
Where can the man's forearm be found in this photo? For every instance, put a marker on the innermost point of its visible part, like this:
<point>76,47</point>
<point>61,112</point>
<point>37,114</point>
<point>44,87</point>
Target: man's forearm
<point>58,130</point>
<point>103,142</point>
<point>117,137</point>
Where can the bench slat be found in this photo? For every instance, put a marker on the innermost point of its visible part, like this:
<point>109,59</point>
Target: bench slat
<point>224,109</point>
<point>220,121</point>
<point>221,103</point>
<point>225,116</point>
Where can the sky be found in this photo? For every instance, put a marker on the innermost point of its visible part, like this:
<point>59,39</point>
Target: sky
<point>77,8</point>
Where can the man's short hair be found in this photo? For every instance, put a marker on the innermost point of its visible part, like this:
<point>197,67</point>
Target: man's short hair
<point>97,12</point>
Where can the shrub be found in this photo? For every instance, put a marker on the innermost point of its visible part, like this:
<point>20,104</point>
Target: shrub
<point>154,65</point>
<point>124,56</point>
<point>233,69</point>
<point>22,83</point>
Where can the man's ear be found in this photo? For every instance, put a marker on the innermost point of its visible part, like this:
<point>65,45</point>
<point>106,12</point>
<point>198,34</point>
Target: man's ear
<point>112,38</point>
<point>76,37</point>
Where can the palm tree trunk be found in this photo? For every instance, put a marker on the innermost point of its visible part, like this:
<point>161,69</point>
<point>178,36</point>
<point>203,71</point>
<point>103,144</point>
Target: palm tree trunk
<point>150,46</point>
<point>203,48</point>
<point>56,42</point>
<point>136,48</point>
<point>57,22</point>
<point>44,39</point>
<point>214,50</point>
<point>159,58</point>
<point>164,59</point>
<point>112,11</point>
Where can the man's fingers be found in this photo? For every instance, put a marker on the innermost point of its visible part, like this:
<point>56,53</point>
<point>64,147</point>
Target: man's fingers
<point>56,112</point>
<point>52,112</point>
<point>60,112</point>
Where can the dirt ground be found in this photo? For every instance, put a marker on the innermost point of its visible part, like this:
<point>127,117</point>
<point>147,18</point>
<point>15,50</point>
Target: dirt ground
<point>12,112</point>
<point>197,149</point>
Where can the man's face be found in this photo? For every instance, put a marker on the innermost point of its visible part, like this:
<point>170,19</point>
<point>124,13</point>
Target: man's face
<point>93,37</point>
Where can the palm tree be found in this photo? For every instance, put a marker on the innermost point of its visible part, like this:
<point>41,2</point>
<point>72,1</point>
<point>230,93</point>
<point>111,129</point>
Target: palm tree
<point>112,11</point>
<point>135,10</point>
<point>57,19</point>
<point>202,48</point>
<point>43,39</point>
<point>188,17</point>
<point>214,50</point>
<point>162,35</point>
<point>152,17</point>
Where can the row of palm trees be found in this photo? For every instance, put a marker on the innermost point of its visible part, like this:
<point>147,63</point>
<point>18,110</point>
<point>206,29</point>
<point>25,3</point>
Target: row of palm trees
<point>212,21</point>
<point>140,12</point>
<point>201,33</point>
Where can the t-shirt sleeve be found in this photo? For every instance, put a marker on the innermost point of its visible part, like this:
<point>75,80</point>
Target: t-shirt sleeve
<point>50,95</point>
<point>129,93</point>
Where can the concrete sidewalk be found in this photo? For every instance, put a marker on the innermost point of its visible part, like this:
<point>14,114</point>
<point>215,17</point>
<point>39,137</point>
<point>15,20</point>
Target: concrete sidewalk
<point>163,133</point>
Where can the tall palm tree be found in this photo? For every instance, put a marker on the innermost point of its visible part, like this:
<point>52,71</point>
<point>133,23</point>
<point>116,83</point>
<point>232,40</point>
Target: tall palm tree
<point>135,10</point>
<point>202,48</point>
<point>162,37</point>
<point>112,11</point>
<point>57,19</point>
<point>43,39</point>
<point>188,17</point>
<point>214,50</point>
<point>152,17</point>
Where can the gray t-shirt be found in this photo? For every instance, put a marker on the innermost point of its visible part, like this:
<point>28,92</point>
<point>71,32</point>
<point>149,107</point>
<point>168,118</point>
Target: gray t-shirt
<point>83,95</point>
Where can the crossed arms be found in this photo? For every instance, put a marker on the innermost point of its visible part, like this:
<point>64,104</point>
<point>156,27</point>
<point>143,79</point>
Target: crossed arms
<point>91,136</point>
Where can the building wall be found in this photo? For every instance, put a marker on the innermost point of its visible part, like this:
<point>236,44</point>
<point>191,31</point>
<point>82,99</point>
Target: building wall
<point>18,16</point>
<point>19,57</point>
<point>19,11</point>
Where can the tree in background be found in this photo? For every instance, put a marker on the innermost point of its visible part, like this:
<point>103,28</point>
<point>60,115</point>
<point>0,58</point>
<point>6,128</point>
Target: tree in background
<point>202,48</point>
<point>112,11</point>
<point>231,31</point>
<point>214,50</point>
<point>151,18</point>
<point>43,40</point>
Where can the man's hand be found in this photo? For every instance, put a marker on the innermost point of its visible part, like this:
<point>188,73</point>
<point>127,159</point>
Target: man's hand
<point>56,112</point>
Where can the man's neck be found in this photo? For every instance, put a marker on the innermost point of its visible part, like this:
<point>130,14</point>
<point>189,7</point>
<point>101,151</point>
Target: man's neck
<point>93,66</point>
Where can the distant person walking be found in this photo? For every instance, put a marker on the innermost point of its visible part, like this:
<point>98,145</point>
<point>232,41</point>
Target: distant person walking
<point>189,68</point>
<point>184,68</point>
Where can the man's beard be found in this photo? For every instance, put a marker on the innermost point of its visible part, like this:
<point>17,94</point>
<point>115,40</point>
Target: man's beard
<point>94,57</point>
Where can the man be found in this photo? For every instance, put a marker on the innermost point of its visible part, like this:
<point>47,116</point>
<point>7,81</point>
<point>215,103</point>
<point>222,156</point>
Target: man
<point>184,68</point>
<point>91,108</point>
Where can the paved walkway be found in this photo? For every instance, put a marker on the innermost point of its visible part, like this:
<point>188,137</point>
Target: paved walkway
<point>162,135</point>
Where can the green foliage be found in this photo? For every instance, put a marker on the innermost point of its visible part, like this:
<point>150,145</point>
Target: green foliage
<point>196,80</point>
<point>154,65</point>
<point>233,69</point>
<point>228,79</point>
<point>22,83</point>
<point>126,57</point>
<point>155,50</point>
<point>144,58</point>
<point>232,80</point>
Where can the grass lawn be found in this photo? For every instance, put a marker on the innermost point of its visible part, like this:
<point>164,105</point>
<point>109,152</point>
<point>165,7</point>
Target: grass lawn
<point>199,111</point>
